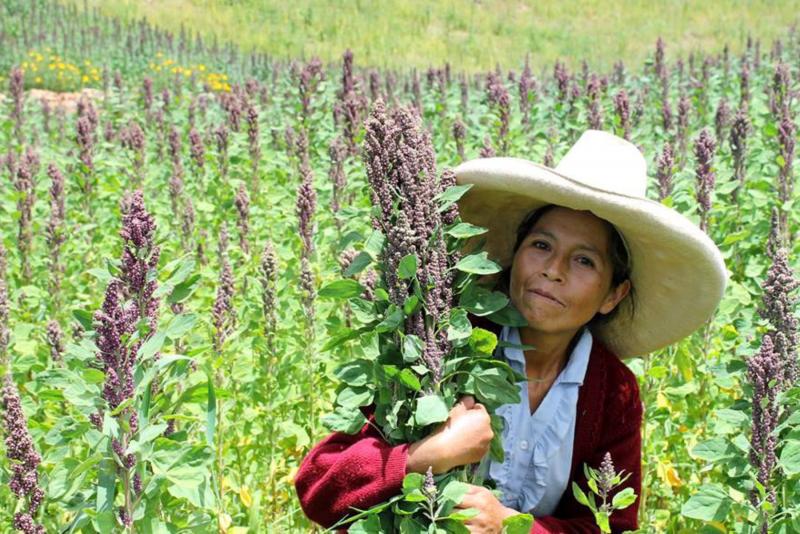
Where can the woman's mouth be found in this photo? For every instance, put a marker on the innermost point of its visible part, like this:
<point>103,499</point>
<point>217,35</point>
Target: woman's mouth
<point>543,296</point>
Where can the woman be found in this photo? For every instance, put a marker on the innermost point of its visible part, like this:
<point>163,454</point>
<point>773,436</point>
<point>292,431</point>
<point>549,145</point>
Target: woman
<point>600,273</point>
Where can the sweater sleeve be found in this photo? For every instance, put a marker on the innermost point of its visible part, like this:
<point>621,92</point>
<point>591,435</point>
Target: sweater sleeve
<point>346,471</point>
<point>622,438</point>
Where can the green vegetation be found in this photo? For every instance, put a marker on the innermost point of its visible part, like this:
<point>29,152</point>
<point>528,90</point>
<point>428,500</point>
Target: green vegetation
<point>252,173</point>
<point>471,35</point>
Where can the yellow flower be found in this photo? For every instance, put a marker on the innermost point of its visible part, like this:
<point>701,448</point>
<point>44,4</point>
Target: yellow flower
<point>84,78</point>
<point>38,79</point>
<point>201,68</point>
<point>669,474</point>
<point>244,494</point>
<point>61,65</point>
<point>159,54</point>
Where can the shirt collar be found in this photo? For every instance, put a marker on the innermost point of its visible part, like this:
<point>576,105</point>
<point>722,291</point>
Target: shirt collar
<point>575,370</point>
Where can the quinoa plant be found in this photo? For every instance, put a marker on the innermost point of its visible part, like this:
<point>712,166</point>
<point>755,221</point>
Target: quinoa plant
<point>499,104</point>
<point>602,483</point>
<point>704,148</point>
<point>622,114</point>
<point>419,318</point>
<point>24,460</point>
<point>25,184</point>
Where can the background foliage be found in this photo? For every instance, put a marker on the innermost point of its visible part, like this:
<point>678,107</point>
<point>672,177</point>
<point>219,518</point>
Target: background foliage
<point>247,409</point>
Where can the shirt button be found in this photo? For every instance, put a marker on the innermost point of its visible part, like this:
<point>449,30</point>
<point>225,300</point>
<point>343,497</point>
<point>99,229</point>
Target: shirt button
<point>523,444</point>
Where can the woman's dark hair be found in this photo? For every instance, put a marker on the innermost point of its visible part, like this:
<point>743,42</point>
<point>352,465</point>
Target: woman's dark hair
<point>620,262</point>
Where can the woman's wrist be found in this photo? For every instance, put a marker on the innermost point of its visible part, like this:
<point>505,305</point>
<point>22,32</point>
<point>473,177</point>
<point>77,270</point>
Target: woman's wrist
<point>422,455</point>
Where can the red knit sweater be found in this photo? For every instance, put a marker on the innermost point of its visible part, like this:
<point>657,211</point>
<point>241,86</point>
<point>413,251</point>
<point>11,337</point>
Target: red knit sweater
<point>362,470</point>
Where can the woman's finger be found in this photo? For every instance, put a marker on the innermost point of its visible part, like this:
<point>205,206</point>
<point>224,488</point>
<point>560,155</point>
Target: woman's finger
<point>468,401</point>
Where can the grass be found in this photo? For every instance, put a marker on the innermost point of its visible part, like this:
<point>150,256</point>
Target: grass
<point>471,35</point>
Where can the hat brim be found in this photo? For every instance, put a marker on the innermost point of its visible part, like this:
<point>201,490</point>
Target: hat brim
<point>678,273</point>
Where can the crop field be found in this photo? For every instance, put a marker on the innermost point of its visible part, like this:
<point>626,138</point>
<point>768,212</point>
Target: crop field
<point>177,251</point>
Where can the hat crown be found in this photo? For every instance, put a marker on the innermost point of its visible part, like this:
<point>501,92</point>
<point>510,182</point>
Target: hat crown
<point>606,162</point>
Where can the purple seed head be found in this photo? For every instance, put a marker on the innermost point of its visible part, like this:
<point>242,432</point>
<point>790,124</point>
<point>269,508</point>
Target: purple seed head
<point>666,165</point>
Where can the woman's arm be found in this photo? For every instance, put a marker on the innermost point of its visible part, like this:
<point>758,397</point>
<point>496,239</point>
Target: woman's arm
<point>346,471</point>
<point>359,471</point>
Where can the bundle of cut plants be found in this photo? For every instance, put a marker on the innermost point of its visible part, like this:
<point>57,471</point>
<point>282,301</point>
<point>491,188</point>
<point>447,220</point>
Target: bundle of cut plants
<point>418,351</point>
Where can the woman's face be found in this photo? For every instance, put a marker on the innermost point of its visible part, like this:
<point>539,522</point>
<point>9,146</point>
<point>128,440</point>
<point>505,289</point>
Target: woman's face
<point>566,254</point>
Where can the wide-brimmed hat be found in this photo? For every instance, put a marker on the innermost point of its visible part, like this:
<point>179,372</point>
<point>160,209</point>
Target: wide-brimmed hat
<point>677,271</point>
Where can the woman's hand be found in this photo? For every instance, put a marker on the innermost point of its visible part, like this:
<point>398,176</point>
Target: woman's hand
<point>463,439</point>
<point>491,512</point>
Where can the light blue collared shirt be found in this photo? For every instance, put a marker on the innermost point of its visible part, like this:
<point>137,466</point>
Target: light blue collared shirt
<point>538,446</point>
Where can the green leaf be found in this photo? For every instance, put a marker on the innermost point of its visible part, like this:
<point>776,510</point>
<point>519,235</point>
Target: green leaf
<point>467,513</point>
<point>359,263</point>
<point>711,503</point>
<point>355,373</point>
<point>518,524</point>
<point>482,341</point>
<point>106,485</point>
<point>180,324</point>
<point>580,496</point>
<point>151,346</point>
<point>727,421</point>
<point>341,289</point>
<point>601,518</point>
<point>712,450</point>
<point>345,335</point>
<point>465,230</point>
<point>146,435</point>
<point>430,409</point>
<point>453,492</point>
<point>409,379</point>
<point>458,326</point>
<point>411,304</point>
<point>369,525</point>
<point>84,318</point>
<point>624,498</point>
<point>354,397</point>
<point>480,301</point>
<point>412,348</point>
<point>391,321</point>
<point>508,316</point>
<point>184,290</point>
<point>451,195</point>
<point>478,264</point>
<point>492,384</point>
<point>374,244</point>
<point>790,457</point>
<point>190,483</point>
<point>347,420</point>
<point>413,481</point>
<point>363,310</point>
<point>102,275</point>
<point>407,268</point>
<point>211,412</point>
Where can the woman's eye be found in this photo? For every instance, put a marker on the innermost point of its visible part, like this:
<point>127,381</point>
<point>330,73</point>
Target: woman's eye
<point>587,262</point>
<point>536,243</point>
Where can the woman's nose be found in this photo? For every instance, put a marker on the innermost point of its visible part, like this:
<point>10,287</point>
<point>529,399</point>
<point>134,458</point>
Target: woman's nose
<point>553,269</point>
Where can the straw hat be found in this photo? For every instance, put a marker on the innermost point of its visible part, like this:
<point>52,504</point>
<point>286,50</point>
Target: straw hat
<point>678,273</point>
